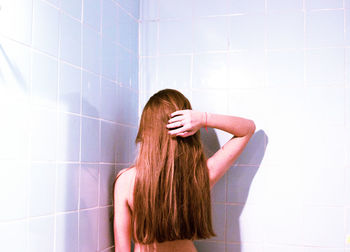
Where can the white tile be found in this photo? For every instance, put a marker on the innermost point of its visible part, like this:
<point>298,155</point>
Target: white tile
<point>44,80</point>
<point>67,187</point>
<point>323,226</point>
<point>149,9</point>
<point>70,40</point>
<point>211,101</point>
<point>89,185</point>
<point>174,71</point>
<point>211,34</point>
<point>15,64</point>
<point>91,50</point>
<point>175,36</point>
<point>73,7</point>
<point>108,142</point>
<point>68,137</point>
<point>209,8</point>
<point>13,235</point>
<point>15,130</point>
<point>44,131</point>
<point>247,6</point>
<point>14,192</point>
<point>42,189</point>
<point>127,96</point>
<point>69,88</point>
<point>210,71</point>
<point>323,4</point>
<point>148,74</point>
<point>175,9</point>
<point>327,61</point>
<point>245,184</point>
<point>90,140</point>
<point>124,66</point>
<point>127,31</point>
<point>109,20</point>
<point>106,184</point>
<point>67,232</point>
<point>109,59</point>
<point>242,102</point>
<point>148,38</point>
<point>19,18</point>
<point>323,105</point>
<point>251,222</point>
<point>285,5</point>
<point>109,100</point>
<point>347,25</point>
<point>91,102</point>
<point>347,4</point>
<point>247,31</point>
<point>318,249</point>
<point>233,231</point>
<point>45,27</point>
<point>347,67</point>
<point>246,69</point>
<point>286,248</point>
<point>347,225</point>
<point>88,226</point>
<point>285,68</point>
<point>323,185</point>
<point>218,219</point>
<point>132,7</point>
<point>106,238</point>
<point>92,13</point>
<point>282,223</point>
<point>347,107</point>
<point>218,192</point>
<point>325,28</point>
<point>285,29</point>
<point>41,234</point>
<point>284,183</point>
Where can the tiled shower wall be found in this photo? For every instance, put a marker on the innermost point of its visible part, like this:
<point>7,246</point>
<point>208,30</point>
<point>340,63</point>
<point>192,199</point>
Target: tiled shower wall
<point>68,106</point>
<point>286,65</point>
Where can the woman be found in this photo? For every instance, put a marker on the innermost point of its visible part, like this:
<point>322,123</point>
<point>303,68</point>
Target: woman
<point>163,201</point>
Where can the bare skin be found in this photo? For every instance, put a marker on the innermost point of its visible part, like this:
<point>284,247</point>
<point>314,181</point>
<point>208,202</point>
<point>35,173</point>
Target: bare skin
<point>218,164</point>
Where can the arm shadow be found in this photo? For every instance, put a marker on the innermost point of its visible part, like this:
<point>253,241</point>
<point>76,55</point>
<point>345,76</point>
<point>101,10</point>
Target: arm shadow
<point>233,187</point>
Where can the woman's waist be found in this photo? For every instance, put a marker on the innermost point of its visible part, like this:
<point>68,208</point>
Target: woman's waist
<point>177,245</point>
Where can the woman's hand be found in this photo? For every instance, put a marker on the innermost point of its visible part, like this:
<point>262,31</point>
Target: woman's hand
<point>186,122</point>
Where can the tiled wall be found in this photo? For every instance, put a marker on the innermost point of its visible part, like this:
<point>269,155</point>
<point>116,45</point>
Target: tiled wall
<point>68,106</point>
<point>286,65</point>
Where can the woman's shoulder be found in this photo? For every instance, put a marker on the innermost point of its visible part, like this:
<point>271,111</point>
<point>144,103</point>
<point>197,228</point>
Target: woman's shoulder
<point>127,173</point>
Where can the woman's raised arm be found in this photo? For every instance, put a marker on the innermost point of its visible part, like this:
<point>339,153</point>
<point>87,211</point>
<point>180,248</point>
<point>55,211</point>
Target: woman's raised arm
<point>242,130</point>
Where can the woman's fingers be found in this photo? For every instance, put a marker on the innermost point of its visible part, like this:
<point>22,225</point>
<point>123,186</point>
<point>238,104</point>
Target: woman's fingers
<point>177,131</point>
<point>174,125</point>
<point>176,118</point>
<point>185,134</point>
<point>177,112</point>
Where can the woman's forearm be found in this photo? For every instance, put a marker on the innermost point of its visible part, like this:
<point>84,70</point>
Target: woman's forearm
<point>237,126</point>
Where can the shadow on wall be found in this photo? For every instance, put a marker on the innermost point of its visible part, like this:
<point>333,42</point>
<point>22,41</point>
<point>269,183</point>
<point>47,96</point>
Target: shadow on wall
<point>234,190</point>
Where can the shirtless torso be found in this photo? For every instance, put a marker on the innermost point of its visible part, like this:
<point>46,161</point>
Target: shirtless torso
<point>170,246</point>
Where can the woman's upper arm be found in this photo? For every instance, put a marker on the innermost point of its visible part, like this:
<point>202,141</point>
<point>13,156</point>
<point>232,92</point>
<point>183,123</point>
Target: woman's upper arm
<point>221,161</point>
<point>122,215</point>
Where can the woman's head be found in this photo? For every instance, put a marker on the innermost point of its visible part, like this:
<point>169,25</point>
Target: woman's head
<point>156,113</point>
<point>171,191</point>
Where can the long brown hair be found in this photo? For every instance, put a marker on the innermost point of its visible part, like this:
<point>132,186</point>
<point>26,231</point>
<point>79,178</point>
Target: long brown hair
<point>171,193</point>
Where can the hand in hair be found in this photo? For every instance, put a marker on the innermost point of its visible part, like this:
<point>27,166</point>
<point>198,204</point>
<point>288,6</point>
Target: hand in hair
<point>185,123</point>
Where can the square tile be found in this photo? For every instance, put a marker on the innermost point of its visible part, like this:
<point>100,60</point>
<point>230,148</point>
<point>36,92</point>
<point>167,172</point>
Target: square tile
<point>325,28</point>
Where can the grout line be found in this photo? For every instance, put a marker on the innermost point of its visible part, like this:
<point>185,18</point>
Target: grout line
<point>58,126</point>
<point>30,135</point>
